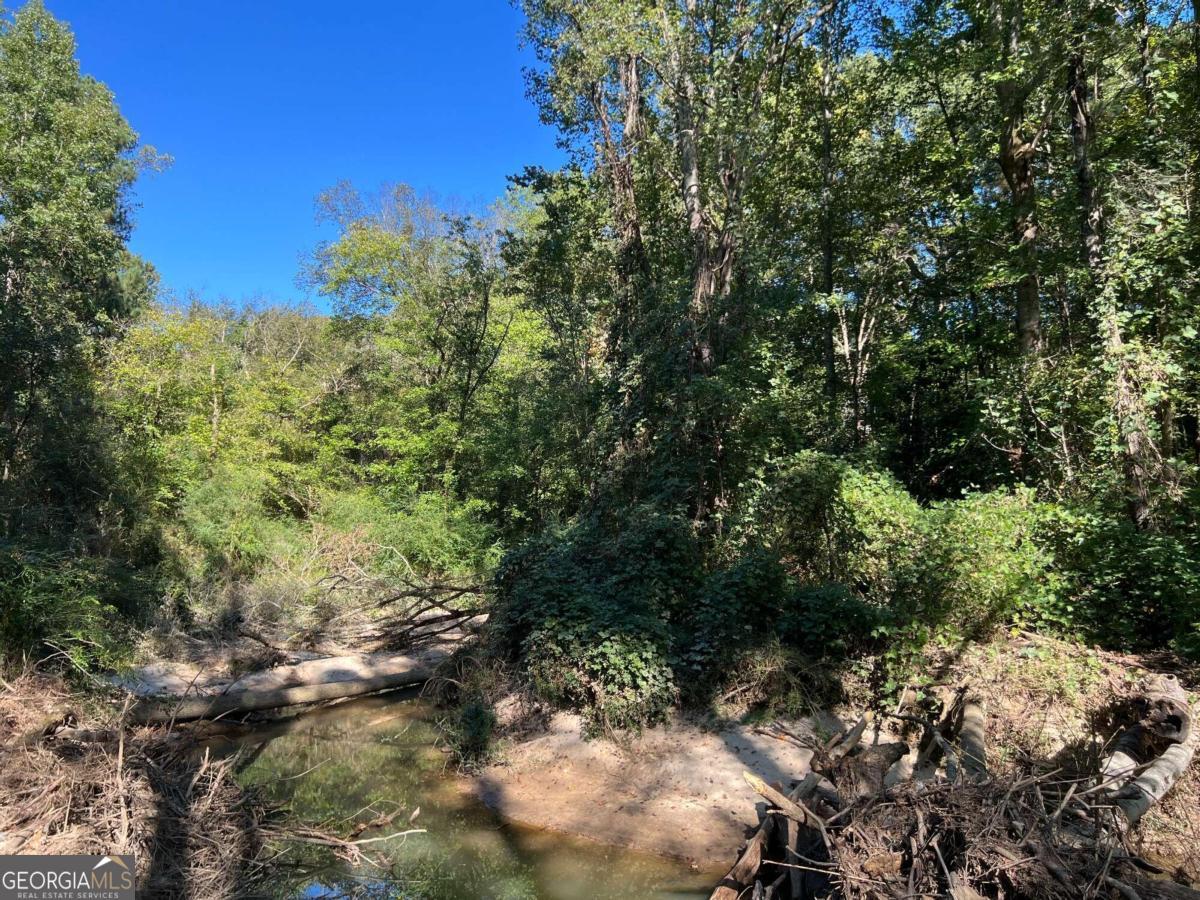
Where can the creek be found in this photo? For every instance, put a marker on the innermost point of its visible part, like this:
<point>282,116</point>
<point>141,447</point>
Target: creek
<point>359,759</point>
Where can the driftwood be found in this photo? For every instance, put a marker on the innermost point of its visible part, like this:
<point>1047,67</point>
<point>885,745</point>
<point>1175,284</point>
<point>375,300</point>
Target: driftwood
<point>328,683</point>
<point>941,824</point>
<point>746,868</point>
<point>1163,738</point>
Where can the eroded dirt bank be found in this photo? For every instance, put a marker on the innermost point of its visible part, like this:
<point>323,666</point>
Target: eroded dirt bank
<point>679,790</point>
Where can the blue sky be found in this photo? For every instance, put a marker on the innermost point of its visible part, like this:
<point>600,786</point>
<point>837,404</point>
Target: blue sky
<point>263,103</point>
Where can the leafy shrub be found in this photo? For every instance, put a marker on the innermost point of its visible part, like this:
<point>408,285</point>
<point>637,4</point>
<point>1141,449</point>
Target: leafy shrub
<point>1122,586</point>
<point>834,523</point>
<point>829,621</point>
<point>587,613</point>
<point>732,608</point>
<point>57,603</point>
<point>878,571</point>
<point>430,532</point>
<point>227,516</point>
<point>833,561</point>
<point>618,677</point>
<point>983,565</point>
<point>619,620</point>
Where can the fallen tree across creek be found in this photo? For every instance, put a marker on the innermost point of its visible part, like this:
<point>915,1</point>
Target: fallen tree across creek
<point>894,821</point>
<point>410,631</point>
<point>331,678</point>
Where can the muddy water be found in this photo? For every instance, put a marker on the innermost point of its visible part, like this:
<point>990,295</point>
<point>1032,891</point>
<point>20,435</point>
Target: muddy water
<point>378,755</point>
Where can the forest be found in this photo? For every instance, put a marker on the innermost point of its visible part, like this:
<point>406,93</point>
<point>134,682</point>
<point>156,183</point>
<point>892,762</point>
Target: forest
<point>850,334</point>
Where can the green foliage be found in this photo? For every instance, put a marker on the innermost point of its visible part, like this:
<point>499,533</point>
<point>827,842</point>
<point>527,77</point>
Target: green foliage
<point>65,168</point>
<point>1123,586</point>
<point>830,622</point>
<point>430,533</point>
<point>586,611</point>
<point>53,603</point>
<point>833,522</point>
<point>226,515</point>
<point>985,562</point>
<point>780,407</point>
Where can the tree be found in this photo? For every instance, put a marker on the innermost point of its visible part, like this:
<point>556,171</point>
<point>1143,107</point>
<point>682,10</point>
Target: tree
<point>65,168</point>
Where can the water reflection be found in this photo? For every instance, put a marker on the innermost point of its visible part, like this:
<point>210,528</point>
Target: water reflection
<point>377,757</point>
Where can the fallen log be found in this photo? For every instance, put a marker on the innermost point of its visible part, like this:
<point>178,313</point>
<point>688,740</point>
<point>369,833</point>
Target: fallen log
<point>1137,796</point>
<point>331,684</point>
<point>971,738</point>
<point>744,870</point>
<point>1162,739</point>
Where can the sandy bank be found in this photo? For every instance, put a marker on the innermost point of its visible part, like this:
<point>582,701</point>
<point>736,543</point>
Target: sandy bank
<point>675,790</point>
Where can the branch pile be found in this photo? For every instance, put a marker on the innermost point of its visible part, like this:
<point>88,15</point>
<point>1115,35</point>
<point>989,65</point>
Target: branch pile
<point>383,615</point>
<point>193,830</point>
<point>889,821</point>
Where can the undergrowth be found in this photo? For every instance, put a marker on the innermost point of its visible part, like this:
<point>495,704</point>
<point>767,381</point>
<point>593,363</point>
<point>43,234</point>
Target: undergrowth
<point>830,571</point>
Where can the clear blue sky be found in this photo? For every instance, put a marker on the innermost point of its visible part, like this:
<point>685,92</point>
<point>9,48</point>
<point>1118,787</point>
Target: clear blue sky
<point>262,103</point>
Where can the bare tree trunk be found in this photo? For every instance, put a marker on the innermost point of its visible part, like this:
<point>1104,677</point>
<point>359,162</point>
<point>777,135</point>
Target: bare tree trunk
<point>633,265</point>
<point>687,145</point>
<point>1090,213</point>
<point>827,283</point>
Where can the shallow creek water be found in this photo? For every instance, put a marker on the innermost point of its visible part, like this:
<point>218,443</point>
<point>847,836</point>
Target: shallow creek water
<point>329,765</point>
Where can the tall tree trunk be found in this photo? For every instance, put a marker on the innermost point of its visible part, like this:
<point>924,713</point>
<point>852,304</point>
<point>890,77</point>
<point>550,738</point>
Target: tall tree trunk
<point>709,274</point>
<point>1138,453</point>
<point>1016,161</point>
<point>1090,214</point>
<point>1196,46</point>
<point>1017,155</point>
<point>828,54</point>
<point>633,264</point>
<point>827,227</point>
<point>1166,406</point>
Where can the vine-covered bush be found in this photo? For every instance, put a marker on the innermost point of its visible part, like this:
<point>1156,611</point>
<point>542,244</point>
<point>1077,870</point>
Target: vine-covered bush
<point>735,606</point>
<point>983,563</point>
<point>622,619</point>
<point>830,622</point>
<point>833,561</point>
<point>1123,586</point>
<point>832,522</point>
<point>586,611</point>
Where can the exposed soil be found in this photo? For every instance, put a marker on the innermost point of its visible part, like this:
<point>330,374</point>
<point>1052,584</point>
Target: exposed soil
<point>676,790</point>
<point>679,790</point>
